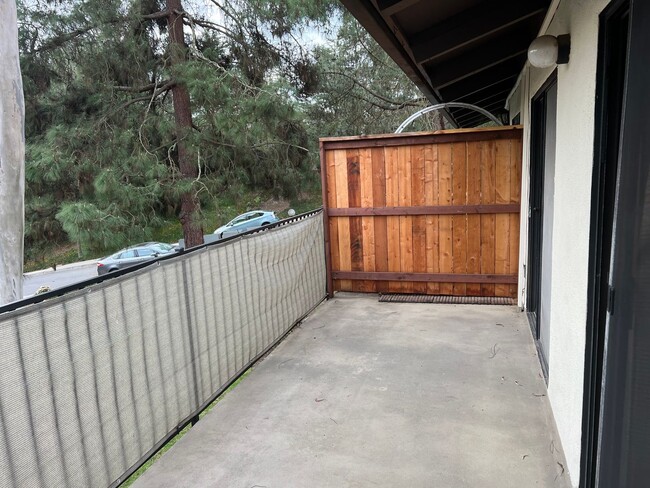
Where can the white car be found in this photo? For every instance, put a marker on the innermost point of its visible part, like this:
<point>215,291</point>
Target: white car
<point>245,222</point>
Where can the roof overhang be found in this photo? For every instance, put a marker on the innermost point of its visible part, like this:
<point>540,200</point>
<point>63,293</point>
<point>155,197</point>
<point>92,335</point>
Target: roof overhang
<point>468,51</point>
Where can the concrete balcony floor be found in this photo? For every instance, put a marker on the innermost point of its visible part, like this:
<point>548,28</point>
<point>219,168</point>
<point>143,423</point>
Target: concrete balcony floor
<point>383,395</point>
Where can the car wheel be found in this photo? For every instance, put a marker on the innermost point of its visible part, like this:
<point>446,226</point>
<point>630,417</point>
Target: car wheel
<point>265,223</point>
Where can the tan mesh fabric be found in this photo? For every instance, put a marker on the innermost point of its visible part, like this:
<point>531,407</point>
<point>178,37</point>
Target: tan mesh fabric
<point>92,381</point>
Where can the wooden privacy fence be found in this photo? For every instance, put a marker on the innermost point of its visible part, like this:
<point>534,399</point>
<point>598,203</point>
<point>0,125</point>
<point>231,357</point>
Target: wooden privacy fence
<point>427,213</point>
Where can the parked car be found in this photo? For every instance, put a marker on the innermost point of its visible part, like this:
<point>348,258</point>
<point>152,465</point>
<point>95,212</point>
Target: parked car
<point>246,222</point>
<point>133,255</point>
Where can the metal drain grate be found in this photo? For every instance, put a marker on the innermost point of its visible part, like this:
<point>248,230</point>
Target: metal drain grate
<point>403,298</point>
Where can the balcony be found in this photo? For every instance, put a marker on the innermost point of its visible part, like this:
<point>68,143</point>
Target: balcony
<point>364,393</point>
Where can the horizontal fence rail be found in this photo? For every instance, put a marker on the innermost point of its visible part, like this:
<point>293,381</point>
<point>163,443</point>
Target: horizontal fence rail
<point>423,277</point>
<point>426,210</point>
<point>93,382</point>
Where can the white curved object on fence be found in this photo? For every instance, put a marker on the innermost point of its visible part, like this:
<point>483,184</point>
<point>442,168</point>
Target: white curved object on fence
<point>440,106</point>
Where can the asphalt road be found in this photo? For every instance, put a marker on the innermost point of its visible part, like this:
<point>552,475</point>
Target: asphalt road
<point>63,276</point>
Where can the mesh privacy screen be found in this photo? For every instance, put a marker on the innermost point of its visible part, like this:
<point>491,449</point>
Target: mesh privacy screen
<point>93,381</point>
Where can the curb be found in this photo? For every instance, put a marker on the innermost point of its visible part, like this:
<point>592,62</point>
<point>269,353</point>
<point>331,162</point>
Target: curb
<point>79,264</point>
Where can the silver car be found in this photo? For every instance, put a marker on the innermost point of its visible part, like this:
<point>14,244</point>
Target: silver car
<point>245,222</point>
<point>133,255</point>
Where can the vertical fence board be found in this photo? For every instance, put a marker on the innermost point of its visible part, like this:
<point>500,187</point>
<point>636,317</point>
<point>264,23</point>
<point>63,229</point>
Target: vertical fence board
<point>474,221</point>
<point>405,221</point>
<point>475,173</point>
<point>392,200</point>
<point>445,221</point>
<point>459,222</point>
<point>431,191</point>
<point>330,165</point>
<point>418,196</point>
<point>341,174</point>
<point>515,197</point>
<point>367,223</point>
<point>354,201</point>
<point>488,222</point>
<point>381,223</point>
<point>502,238</point>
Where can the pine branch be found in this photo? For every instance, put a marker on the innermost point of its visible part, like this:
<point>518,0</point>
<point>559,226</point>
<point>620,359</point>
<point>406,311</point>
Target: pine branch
<point>398,104</point>
<point>196,52</point>
<point>156,15</point>
<point>61,39</point>
<point>381,106</point>
<point>163,89</point>
<point>145,88</point>
<point>206,24</point>
<point>228,12</point>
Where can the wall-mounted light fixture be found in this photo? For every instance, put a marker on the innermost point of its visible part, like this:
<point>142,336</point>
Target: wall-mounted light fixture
<point>547,51</point>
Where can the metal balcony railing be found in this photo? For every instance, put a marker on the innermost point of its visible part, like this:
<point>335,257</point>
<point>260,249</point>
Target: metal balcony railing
<point>96,380</point>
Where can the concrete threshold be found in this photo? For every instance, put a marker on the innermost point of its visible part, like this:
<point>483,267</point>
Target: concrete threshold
<point>382,395</point>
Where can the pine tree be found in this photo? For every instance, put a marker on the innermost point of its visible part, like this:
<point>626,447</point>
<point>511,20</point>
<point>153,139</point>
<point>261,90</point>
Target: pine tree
<point>138,110</point>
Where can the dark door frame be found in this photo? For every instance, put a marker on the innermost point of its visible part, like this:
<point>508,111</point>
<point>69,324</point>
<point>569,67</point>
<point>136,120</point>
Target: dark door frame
<point>615,450</point>
<point>610,84</point>
<point>536,211</point>
<point>625,423</point>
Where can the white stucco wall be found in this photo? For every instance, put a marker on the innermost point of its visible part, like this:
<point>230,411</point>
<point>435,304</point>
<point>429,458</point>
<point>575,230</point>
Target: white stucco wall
<point>576,83</point>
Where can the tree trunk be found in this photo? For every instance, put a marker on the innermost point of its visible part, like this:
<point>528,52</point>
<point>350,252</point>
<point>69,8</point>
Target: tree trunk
<point>12,158</point>
<point>190,206</point>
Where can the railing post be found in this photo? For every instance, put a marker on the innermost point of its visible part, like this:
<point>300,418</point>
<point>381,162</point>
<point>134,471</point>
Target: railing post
<point>326,223</point>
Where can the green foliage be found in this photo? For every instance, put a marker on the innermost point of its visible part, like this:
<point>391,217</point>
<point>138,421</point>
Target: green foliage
<point>95,228</point>
<point>265,79</point>
<point>48,256</point>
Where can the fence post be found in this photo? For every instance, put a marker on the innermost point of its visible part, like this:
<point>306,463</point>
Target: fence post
<point>326,224</point>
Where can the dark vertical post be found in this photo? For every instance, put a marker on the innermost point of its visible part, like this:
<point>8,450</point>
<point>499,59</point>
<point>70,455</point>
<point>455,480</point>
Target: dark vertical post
<point>326,223</point>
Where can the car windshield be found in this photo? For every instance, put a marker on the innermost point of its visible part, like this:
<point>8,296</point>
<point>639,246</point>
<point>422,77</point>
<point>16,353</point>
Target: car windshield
<point>245,217</point>
<point>238,220</point>
<point>164,247</point>
<point>117,254</point>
